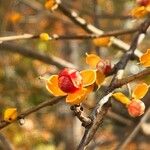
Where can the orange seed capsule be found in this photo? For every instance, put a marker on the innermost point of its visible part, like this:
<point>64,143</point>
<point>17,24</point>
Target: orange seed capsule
<point>136,108</point>
<point>44,36</point>
<point>103,41</point>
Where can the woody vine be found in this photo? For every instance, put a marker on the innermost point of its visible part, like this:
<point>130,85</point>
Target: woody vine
<point>74,85</point>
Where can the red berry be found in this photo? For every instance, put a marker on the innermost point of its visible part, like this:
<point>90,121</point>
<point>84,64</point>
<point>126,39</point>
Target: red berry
<point>69,80</point>
<point>104,66</point>
<point>136,108</point>
<point>143,2</point>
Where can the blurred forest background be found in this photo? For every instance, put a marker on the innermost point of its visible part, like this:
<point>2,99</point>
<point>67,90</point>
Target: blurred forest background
<point>56,128</point>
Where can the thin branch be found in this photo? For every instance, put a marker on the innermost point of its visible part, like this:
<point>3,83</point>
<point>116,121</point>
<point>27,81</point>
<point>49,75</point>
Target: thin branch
<point>119,118</point>
<point>5,143</point>
<point>96,122</point>
<point>33,4</point>
<point>95,14</point>
<point>37,6</point>
<point>29,111</point>
<point>113,16</point>
<point>103,15</point>
<point>97,144</point>
<point>78,111</point>
<point>60,63</point>
<point>131,78</point>
<point>96,21</point>
<point>69,37</point>
<point>135,131</point>
<point>108,16</point>
<point>16,37</point>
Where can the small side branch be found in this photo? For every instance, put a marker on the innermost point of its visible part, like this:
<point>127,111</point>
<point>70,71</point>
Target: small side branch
<point>135,131</point>
<point>5,143</point>
<point>60,63</point>
<point>16,37</point>
<point>29,111</point>
<point>131,78</point>
<point>78,112</point>
<point>69,37</point>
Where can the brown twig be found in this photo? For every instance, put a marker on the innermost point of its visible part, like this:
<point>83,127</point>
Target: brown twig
<point>113,115</point>
<point>119,118</point>
<point>60,63</point>
<point>78,112</point>
<point>131,78</point>
<point>113,16</point>
<point>69,37</point>
<point>103,15</point>
<point>100,143</point>
<point>16,37</point>
<point>29,111</point>
<point>134,132</point>
<point>5,143</point>
<point>96,21</point>
<point>33,4</point>
<point>37,6</point>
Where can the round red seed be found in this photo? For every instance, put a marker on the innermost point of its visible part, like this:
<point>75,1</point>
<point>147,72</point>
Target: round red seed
<point>143,2</point>
<point>104,66</point>
<point>69,80</point>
